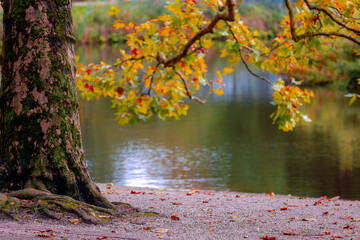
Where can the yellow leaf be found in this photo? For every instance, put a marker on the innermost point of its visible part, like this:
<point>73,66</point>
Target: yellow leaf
<point>131,25</point>
<point>352,100</point>
<point>207,43</point>
<point>113,11</point>
<point>219,91</point>
<point>255,33</point>
<point>219,74</point>
<point>118,25</point>
<point>228,70</point>
<point>223,53</point>
<point>75,221</point>
<point>358,80</point>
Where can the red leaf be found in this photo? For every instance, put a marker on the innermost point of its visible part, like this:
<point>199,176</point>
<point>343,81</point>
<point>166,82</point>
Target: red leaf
<point>177,203</point>
<point>327,233</point>
<point>88,71</point>
<point>319,202</point>
<point>86,85</point>
<point>173,217</point>
<point>271,194</point>
<point>268,238</point>
<point>283,209</point>
<point>139,100</point>
<point>102,237</point>
<point>205,202</point>
<point>135,51</point>
<point>325,213</point>
<point>91,88</point>
<point>182,64</point>
<point>335,222</point>
<point>162,199</point>
<point>288,232</point>
<point>133,192</point>
<point>120,91</point>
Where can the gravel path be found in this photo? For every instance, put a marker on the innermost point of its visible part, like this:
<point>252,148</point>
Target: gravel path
<point>207,215</point>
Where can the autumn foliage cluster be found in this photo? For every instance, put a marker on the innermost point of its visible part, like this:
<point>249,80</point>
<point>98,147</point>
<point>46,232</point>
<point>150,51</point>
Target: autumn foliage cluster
<point>163,62</point>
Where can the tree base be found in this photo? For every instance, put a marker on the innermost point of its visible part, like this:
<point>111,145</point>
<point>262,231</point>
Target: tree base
<point>20,204</point>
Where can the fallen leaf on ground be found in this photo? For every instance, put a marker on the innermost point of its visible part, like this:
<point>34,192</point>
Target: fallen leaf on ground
<point>133,192</point>
<point>268,238</point>
<point>288,232</point>
<point>309,219</point>
<point>206,210</point>
<point>327,233</point>
<point>337,236</point>
<point>102,237</point>
<point>46,235</point>
<point>319,202</point>
<point>205,202</point>
<point>271,194</point>
<point>177,203</point>
<point>283,209</point>
<point>74,221</point>
<point>160,230</point>
<point>211,229</point>
<point>334,198</point>
<point>173,217</point>
<point>270,210</point>
<point>355,219</point>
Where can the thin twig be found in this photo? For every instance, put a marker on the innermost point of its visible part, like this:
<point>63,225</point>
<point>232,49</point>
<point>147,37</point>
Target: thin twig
<point>243,60</point>
<point>187,88</point>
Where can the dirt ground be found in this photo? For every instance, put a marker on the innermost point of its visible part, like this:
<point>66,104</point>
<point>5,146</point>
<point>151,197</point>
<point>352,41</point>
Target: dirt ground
<point>204,215</point>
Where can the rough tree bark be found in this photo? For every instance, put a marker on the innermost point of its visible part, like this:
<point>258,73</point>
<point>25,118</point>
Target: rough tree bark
<point>41,144</point>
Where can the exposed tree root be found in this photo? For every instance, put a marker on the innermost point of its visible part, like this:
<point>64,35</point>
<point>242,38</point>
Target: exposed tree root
<point>33,201</point>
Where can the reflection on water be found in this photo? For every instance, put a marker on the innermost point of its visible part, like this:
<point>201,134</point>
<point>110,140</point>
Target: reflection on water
<point>229,144</point>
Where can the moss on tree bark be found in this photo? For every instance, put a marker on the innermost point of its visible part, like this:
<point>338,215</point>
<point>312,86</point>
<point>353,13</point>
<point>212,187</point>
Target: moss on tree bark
<point>41,144</point>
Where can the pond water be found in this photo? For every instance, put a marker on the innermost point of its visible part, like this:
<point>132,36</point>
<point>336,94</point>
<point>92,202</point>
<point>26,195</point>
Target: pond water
<point>229,143</point>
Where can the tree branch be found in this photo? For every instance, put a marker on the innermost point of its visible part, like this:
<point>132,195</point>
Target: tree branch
<point>297,38</point>
<point>324,10</point>
<point>232,5</point>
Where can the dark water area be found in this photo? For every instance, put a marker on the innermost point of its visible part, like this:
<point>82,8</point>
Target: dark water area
<point>229,143</point>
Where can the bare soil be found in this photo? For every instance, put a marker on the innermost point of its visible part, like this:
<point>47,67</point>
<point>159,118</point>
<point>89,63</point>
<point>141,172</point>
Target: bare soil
<point>203,215</point>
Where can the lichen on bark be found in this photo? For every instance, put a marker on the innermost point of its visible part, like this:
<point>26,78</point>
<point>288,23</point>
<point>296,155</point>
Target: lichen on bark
<point>41,143</point>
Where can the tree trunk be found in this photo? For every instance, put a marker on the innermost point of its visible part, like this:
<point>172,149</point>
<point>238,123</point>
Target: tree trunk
<point>41,144</point>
